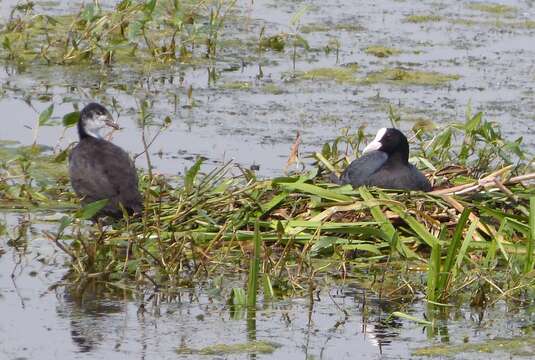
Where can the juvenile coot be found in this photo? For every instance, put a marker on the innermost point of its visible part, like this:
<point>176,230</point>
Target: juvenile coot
<point>385,164</point>
<point>101,170</point>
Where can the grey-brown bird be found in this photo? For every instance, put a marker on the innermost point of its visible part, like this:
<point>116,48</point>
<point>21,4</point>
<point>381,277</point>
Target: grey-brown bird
<point>99,169</point>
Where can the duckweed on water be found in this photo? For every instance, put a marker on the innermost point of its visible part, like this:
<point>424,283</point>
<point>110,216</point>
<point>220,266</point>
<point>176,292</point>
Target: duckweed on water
<point>521,346</point>
<point>259,347</point>
<point>236,85</point>
<point>381,51</point>
<point>273,89</point>
<point>275,42</point>
<point>497,9</point>
<point>498,23</point>
<point>319,27</point>
<point>423,18</point>
<point>401,76</point>
<point>338,74</point>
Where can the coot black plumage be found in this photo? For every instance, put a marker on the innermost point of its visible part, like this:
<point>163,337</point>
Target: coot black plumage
<point>101,170</point>
<point>385,164</point>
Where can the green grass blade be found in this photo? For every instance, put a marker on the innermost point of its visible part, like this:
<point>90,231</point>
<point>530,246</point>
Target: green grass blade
<point>433,272</point>
<point>276,200</point>
<point>237,297</point>
<point>401,315</point>
<point>462,251</point>
<point>528,265</point>
<point>269,293</point>
<point>91,209</point>
<point>315,190</point>
<point>491,253</point>
<point>415,225</point>
<point>191,174</point>
<point>386,225</point>
<point>452,249</point>
<point>252,285</point>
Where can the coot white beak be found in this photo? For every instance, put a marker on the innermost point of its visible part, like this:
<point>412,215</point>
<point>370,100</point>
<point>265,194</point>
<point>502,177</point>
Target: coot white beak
<point>376,143</point>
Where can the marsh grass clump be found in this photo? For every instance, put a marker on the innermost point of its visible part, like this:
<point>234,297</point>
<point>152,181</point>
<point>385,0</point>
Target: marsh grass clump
<point>402,76</point>
<point>381,51</point>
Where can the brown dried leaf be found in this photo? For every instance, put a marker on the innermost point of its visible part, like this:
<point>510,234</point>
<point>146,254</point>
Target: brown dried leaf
<point>294,152</point>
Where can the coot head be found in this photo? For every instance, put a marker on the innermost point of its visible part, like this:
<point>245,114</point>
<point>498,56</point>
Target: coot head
<point>391,141</point>
<point>93,118</point>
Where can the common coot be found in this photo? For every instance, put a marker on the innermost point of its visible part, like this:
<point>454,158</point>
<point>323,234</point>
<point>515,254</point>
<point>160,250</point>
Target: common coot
<point>385,164</point>
<point>101,170</point>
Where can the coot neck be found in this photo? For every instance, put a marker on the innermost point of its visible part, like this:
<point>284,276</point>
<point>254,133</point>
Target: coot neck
<point>401,153</point>
<point>81,131</point>
<point>399,157</point>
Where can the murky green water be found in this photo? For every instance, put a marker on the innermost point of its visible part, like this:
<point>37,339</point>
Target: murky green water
<point>251,113</point>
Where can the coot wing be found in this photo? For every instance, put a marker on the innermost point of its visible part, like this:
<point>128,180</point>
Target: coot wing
<point>359,171</point>
<point>101,170</point>
<point>420,182</point>
<point>403,177</point>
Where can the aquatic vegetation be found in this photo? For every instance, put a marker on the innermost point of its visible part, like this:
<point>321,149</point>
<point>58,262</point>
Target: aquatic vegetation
<point>148,30</point>
<point>319,27</point>
<point>402,76</point>
<point>338,74</point>
<point>423,18</point>
<point>289,232</point>
<point>423,124</point>
<point>260,347</point>
<point>237,85</point>
<point>517,346</point>
<point>464,22</point>
<point>272,89</point>
<point>214,244</point>
<point>31,177</point>
<point>381,51</point>
<point>274,42</point>
<point>491,8</point>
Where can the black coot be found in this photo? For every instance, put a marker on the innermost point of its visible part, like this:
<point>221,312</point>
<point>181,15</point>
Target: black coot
<point>101,170</point>
<point>385,164</point>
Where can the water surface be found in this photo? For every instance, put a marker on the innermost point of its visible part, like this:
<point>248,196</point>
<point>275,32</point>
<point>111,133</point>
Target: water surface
<point>256,124</point>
